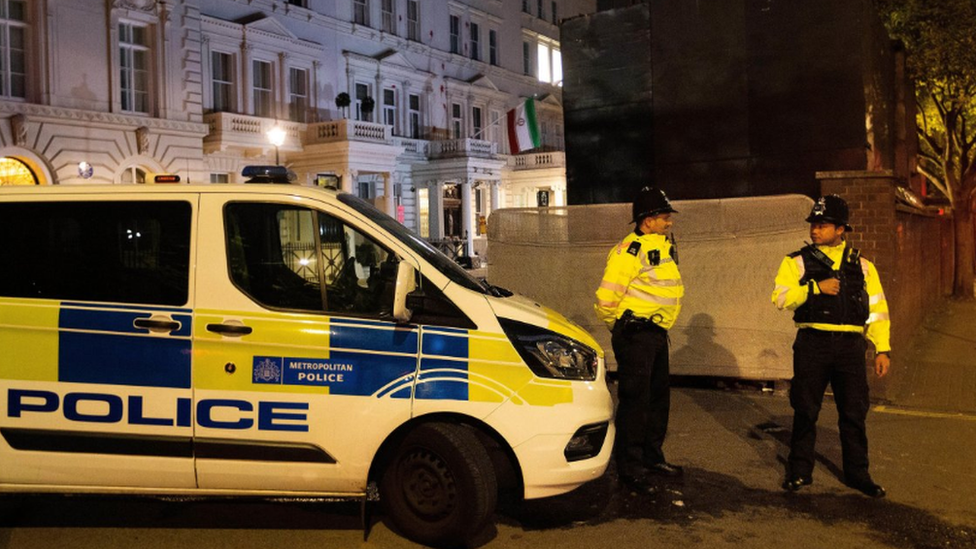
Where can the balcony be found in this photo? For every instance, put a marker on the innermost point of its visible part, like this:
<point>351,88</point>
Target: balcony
<point>242,132</point>
<point>335,131</point>
<point>535,161</point>
<point>248,133</point>
<point>453,148</point>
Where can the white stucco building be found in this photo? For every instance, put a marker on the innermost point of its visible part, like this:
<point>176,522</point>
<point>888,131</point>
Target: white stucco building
<point>117,91</point>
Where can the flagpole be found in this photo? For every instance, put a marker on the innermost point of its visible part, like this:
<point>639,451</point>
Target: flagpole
<point>482,130</point>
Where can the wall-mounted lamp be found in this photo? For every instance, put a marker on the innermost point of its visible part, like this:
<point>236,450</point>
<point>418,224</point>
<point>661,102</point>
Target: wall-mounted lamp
<point>85,170</point>
<point>276,136</point>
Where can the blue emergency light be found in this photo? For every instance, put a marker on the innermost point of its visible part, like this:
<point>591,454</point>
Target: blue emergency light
<point>268,174</point>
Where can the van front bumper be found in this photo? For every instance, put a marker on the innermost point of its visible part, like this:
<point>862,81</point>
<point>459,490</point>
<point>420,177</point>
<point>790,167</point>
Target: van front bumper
<point>552,465</point>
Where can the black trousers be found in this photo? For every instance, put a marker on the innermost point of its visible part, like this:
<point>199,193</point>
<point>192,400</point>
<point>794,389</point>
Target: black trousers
<point>644,395</point>
<point>819,358</point>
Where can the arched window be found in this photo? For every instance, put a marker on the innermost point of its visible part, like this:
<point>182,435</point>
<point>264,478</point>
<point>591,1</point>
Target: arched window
<point>132,174</point>
<point>15,172</point>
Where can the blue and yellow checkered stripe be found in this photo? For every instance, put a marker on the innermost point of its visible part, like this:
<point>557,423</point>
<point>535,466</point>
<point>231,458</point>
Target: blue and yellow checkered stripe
<point>98,344</point>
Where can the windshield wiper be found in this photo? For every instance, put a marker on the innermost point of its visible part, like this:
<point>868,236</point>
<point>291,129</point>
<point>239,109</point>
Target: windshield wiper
<point>496,291</point>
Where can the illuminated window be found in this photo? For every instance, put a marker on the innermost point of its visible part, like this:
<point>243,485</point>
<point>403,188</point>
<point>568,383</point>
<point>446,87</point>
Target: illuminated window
<point>557,67</point>
<point>423,209</point>
<point>549,64</point>
<point>542,63</point>
<point>15,172</point>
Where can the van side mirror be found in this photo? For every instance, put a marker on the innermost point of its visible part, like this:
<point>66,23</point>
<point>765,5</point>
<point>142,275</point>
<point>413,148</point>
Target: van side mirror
<point>406,282</point>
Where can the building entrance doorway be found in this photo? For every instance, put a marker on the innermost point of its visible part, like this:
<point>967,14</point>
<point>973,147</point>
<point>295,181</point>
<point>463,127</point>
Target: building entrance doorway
<point>452,212</point>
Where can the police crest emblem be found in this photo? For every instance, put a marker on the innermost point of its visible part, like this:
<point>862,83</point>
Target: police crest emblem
<point>819,208</point>
<point>267,370</point>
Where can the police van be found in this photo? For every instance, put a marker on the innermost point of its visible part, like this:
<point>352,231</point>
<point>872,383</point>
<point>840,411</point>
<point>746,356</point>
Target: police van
<point>279,340</point>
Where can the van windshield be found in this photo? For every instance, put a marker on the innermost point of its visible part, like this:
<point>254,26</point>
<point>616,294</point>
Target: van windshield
<point>421,247</point>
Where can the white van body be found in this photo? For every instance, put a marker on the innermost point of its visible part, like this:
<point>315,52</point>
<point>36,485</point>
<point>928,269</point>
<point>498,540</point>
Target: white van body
<point>276,340</point>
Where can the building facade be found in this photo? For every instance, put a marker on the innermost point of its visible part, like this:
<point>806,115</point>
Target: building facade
<point>402,102</point>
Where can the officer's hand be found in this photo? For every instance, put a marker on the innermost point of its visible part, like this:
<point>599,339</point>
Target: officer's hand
<point>881,365</point>
<point>829,286</point>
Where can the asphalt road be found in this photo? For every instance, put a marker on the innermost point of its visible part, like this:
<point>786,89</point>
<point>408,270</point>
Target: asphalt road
<point>731,442</point>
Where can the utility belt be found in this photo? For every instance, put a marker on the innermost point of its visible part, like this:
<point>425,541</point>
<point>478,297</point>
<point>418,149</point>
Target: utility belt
<point>630,322</point>
<point>831,334</point>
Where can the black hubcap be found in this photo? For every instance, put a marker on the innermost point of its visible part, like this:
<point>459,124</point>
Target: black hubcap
<point>428,486</point>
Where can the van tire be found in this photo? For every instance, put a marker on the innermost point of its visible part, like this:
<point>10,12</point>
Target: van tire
<point>439,488</point>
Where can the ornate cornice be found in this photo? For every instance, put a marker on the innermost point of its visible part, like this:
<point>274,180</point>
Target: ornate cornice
<point>148,6</point>
<point>53,114</point>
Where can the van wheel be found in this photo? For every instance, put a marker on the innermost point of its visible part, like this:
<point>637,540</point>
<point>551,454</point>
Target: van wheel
<point>440,487</point>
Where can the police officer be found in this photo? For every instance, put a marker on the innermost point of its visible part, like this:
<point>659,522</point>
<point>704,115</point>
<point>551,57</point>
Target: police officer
<point>837,300</point>
<point>639,300</point>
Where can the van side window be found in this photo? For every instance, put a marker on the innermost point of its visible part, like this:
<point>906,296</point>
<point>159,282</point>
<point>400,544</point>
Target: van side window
<point>288,257</point>
<point>120,252</point>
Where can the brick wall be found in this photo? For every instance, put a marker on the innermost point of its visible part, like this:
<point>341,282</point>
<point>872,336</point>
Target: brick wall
<point>912,251</point>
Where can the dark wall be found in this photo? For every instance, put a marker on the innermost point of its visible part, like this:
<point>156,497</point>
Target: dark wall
<point>722,98</point>
<point>608,122</point>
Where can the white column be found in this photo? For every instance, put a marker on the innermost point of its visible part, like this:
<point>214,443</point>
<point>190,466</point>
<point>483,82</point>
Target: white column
<point>467,225</point>
<point>346,180</point>
<point>246,82</point>
<point>388,204</point>
<point>495,196</point>
<point>280,91</point>
<point>436,208</point>
<point>313,91</point>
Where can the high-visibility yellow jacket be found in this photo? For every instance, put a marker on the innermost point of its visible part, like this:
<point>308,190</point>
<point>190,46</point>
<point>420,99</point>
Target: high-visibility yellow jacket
<point>789,294</point>
<point>641,276</point>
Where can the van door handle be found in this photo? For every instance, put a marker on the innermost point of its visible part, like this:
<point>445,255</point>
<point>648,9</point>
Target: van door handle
<point>233,330</point>
<point>156,324</point>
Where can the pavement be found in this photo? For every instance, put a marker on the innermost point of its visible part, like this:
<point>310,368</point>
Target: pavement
<point>732,443</point>
<point>937,370</point>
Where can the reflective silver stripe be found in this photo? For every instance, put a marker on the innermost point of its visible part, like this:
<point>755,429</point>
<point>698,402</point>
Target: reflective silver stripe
<point>650,272</point>
<point>663,283</point>
<point>659,300</point>
<point>799,265</point>
<point>613,286</point>
<point>607,304</point>
<point>864,267</point>
<point>877,298</point>
<point>781,296</point>
<point>875,317</point>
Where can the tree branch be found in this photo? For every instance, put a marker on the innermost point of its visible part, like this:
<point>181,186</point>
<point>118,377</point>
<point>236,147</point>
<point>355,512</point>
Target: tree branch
<point>934,179</point>
<point>932,144</point>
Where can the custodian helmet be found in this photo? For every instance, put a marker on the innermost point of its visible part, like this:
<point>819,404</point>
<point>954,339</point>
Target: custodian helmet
<point>830,209</point>
<point>651,201</point>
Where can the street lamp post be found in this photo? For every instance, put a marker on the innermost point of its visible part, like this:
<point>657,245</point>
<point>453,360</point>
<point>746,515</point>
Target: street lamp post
<point>276,136</point>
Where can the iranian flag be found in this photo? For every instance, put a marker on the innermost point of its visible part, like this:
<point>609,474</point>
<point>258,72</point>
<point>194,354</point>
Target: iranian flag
<point>523,129</point>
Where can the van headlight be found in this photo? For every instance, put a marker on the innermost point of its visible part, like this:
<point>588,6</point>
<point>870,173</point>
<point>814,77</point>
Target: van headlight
<point>549,354</point>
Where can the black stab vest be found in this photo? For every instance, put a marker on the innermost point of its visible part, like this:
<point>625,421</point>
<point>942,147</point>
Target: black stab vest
<point>849,307</point>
